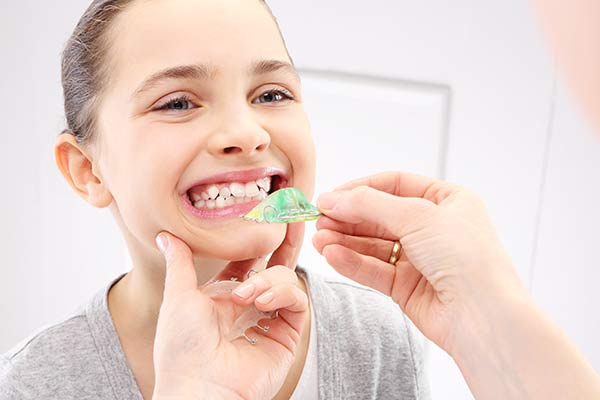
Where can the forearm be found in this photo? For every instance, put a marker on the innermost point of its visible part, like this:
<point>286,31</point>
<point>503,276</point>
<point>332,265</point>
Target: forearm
<point>512,350</point>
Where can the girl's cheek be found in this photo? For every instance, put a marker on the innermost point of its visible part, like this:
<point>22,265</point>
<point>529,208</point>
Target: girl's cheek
<point>304,165</point>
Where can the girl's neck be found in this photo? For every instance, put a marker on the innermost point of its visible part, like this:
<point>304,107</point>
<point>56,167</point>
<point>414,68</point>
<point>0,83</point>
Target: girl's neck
<point>134,301</point>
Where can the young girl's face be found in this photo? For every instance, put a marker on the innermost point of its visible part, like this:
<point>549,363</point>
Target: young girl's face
<point>201,96</point>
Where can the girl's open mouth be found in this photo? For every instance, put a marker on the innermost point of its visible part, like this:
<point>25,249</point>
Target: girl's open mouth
<point>235,195</point>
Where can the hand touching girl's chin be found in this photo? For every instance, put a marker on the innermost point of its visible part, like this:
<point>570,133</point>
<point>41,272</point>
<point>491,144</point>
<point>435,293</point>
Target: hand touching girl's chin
<point>243,241</point>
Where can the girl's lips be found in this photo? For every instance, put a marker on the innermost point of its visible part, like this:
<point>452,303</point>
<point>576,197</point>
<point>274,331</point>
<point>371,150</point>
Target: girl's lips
<point>233,211</point>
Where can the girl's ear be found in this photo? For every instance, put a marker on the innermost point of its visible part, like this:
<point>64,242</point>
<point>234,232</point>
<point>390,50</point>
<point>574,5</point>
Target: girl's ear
<point>78,170</point>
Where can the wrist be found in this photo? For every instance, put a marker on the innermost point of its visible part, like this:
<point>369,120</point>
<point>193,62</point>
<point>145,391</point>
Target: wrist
<point>491,336</point>
<point>177,389</point>
<point>486,318</point>
<point>485,306</point>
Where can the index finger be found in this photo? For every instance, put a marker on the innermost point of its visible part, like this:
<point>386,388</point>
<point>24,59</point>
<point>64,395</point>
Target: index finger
<point>397,183</point>
<point>365,205</point>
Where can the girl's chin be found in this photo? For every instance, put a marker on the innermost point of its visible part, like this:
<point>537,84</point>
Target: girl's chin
<point>245,243</point>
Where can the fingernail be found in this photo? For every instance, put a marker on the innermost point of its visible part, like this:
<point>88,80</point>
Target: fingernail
<point>265,298</point>
<point>327,201</point>
<point>245,290</point>
<point>162,242</point>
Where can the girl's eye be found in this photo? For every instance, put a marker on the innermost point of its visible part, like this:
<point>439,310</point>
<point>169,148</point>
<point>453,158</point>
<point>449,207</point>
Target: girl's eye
<point>274,96</point>
<point>181,103</point>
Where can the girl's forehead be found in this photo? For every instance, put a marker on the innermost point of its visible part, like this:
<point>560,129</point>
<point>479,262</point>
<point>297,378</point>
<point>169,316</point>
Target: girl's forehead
<point>226,34</point>
<point>207,21</point>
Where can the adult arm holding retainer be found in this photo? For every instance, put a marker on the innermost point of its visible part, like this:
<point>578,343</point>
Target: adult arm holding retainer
<point>448,270</point>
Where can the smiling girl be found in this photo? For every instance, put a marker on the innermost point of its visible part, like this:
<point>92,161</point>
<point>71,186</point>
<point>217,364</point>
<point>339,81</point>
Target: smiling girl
<point>182,115</point>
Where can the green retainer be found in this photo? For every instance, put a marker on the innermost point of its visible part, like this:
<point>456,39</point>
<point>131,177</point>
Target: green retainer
<point>284,206</point>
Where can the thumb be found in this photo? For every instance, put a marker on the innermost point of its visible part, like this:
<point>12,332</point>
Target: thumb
<point>180,274</point>
<point>365,204</point>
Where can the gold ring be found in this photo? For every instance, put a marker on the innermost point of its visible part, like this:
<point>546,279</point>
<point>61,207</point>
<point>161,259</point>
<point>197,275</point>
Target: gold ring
<point>396,251</point>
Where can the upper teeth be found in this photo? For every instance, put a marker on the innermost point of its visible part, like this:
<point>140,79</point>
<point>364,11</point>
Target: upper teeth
<point>218,196</point>
<point>264,183</point>
<point>251,189</point>
<point>237,189</point>
<point>213,192</point>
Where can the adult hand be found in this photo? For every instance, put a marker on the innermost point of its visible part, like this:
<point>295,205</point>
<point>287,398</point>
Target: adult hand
<point>454,281</point>
<point>192,357</point>
<point>451,256</point>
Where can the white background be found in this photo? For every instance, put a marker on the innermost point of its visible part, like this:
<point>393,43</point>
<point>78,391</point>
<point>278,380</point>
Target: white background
<point>464,90</point>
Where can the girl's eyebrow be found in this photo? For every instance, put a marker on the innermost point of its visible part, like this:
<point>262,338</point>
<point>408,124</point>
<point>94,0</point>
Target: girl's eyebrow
<point>207,72</point>
<point>265,66</point>
<point>197,72</point>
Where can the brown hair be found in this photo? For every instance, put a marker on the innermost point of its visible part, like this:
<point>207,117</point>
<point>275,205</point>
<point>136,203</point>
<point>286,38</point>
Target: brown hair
<point>84,67</point>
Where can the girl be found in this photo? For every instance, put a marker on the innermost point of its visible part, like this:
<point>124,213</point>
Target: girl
<point>182,115</point>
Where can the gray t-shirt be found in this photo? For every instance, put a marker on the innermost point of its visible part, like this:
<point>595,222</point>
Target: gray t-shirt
<point>365,346</point>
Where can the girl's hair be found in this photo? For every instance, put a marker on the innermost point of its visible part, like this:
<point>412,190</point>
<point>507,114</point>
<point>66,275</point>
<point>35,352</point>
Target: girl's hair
<point>85,69</point>
<point>84,66</point>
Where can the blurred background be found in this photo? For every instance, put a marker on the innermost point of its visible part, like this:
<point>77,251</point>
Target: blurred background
<point>464,90</point>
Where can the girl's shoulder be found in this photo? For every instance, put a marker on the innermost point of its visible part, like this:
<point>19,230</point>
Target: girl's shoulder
<point>77,358</point>
<point>54,358</point>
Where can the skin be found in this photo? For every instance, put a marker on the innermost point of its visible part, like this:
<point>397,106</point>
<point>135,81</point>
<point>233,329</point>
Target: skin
<point>142,159</point>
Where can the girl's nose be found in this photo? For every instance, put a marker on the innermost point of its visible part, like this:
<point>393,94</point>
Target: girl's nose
<point>244,138</point>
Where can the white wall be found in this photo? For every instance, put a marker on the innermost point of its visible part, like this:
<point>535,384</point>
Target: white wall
<point>477,104</point>
<point>57,250</point>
